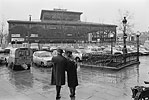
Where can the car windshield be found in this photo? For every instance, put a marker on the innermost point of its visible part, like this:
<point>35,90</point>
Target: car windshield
<point>45,54</point>
<point>76,52</point>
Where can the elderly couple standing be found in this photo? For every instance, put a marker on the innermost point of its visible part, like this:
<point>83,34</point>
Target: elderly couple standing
<point>60,65</point>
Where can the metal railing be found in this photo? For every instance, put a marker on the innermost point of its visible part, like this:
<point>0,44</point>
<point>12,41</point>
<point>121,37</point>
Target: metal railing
<point>109,60</point>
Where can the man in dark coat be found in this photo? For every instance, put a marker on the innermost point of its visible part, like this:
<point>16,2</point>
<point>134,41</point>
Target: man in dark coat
<point>71,73</point>
<point>58,71</point>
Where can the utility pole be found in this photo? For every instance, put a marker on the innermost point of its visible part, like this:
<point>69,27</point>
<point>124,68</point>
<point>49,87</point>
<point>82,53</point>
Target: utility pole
<point>28,38</point>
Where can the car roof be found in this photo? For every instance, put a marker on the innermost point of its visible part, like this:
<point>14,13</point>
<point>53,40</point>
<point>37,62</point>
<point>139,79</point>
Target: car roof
<point>40,51</point>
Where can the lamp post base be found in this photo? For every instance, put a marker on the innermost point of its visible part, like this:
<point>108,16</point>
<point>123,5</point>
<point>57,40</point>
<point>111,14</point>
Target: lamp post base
<point>124,50</point>
<point>124,53</point>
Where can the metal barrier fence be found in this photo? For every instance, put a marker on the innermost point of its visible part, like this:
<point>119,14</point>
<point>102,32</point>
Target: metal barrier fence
<point>109,60</point>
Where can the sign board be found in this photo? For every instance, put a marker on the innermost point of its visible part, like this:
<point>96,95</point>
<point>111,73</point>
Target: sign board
<point>17,39</point>
<point>15,35</point>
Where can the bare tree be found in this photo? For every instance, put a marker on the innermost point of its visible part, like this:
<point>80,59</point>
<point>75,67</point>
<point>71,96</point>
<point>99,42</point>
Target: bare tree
<point>130,21</point>
<point>3,31</point>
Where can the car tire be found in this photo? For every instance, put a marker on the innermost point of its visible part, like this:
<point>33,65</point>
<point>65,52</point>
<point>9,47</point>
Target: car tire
<point>6,62</point>
<point>34,63</point>
<point>77,59</point>
<point>42,64</point>
<point>11,66</point>
<point>29,66</point>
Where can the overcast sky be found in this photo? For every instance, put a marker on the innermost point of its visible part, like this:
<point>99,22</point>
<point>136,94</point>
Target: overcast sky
<point>100,11</point>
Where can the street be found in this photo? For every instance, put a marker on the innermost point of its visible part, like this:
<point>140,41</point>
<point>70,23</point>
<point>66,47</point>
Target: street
<point>94,83</point>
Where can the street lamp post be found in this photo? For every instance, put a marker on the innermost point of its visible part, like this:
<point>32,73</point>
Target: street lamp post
<point>124,38</point>
<point>137,38</point>
<point>124,35</point>
<point>111,37</point>
<point>28,34</point>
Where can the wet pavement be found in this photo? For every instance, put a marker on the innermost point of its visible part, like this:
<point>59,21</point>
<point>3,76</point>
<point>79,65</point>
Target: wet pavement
<point>94,83</point>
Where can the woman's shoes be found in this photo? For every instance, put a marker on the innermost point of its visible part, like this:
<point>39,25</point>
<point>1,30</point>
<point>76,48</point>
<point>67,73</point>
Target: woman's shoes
<point>72,95</point>
<point>58,97</point>
<point>72,91</point>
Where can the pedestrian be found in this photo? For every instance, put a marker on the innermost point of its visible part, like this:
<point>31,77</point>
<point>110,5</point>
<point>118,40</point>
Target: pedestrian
<point>58,71</point>
<point>71,73</point>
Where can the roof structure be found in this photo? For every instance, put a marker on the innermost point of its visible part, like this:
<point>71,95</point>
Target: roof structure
<point>60,22</point>
<point>58,11</point>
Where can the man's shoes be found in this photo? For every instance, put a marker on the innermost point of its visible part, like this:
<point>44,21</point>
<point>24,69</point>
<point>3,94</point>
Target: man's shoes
<point>58,97</point>
<point>72,92</point>
<point>72,95</point>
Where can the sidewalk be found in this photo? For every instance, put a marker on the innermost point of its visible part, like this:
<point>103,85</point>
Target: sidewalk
<point>85,91</point>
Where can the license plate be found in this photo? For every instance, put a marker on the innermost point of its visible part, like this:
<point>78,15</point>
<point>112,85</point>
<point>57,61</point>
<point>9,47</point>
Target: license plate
<point>24,66</point>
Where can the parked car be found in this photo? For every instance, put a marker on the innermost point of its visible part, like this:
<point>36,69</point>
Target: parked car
<point>42,58</point>
<point>77,55</point>
<point>3,57</point>
<point>143,51</point>
<point>7,49</point>
<point>20,58</point>
<point>131,50</point>
<point>54,52</point>
<point>108,51</point>
<point>45,48</point>
<point>34,47</point>
<point>52,48</point>
<point>2,50</point>
<point>75,52</point>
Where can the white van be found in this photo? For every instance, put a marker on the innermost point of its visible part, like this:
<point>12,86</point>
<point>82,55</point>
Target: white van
<point>20,58</point>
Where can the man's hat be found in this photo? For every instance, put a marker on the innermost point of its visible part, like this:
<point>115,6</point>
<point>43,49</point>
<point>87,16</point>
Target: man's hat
<point>68,51</point>
<point>59,50</point>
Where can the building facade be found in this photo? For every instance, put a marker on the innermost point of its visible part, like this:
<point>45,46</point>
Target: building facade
<point>60,26</point>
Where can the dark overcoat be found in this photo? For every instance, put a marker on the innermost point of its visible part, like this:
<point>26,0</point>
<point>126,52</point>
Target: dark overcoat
<point>58,70</point>
<point>71,69</point>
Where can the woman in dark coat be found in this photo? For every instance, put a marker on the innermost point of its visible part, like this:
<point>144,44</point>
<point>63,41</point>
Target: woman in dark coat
<point>71,73</point>
<point>58,71</point>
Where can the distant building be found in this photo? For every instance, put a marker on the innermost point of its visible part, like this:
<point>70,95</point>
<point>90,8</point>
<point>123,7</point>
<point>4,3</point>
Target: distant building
<point>59,26</point>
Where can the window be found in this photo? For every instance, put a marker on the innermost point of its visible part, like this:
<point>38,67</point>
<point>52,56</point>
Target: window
<point>21,53</point>
<point>27,53</point>
<point>36,54</point>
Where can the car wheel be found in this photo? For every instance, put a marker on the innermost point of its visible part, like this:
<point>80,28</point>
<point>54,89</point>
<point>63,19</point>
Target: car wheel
<point>6,62</point>
<point>12,66</point>
<point>42,64</point>
<point>29,66</point>
<point>34,63</point>
<point>77,59</point>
